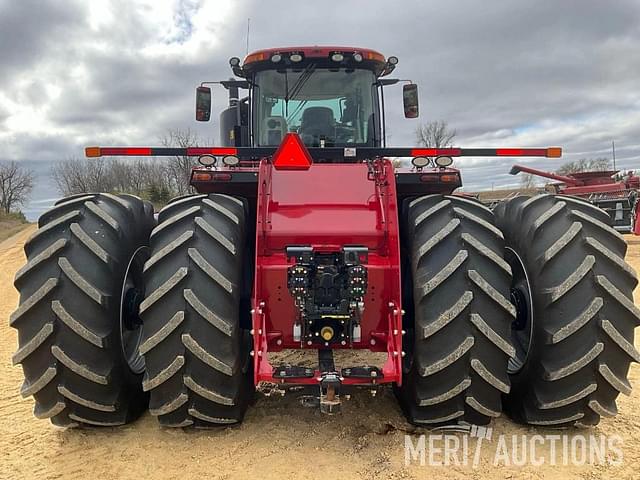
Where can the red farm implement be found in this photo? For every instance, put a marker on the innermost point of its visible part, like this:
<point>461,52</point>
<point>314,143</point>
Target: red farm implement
<point>615,194</point>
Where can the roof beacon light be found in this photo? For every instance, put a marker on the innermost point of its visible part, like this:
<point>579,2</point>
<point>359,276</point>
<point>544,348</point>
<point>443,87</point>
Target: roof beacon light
<point>443,162</point>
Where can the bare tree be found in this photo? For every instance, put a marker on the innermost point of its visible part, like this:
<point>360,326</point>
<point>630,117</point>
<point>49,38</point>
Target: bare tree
<point>74,175</point>
<point>527,181</point>
<point>436,134</point>
<point>584,165</point>
<point>155,179</point>
<point>16,183</point>
<point>179,167</point>
<point>148,178</point>
<point>120,174</point>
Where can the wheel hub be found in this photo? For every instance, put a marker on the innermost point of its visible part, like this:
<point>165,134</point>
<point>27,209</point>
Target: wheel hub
<point>522,300</point>
<point>519,300</point>
<point>131,307</point>
<point>130,300</point>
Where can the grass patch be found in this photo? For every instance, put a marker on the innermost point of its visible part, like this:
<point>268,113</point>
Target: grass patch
<point>11,223</point>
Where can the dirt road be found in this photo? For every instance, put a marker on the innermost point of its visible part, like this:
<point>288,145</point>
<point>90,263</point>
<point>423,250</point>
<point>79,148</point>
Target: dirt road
<point>279,438</point>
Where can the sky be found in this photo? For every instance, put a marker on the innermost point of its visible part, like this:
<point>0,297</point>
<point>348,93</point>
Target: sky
<point>502,73</point>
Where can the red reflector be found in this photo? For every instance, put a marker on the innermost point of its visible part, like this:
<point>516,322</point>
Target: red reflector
<point>508,152</point>
<point>292,154</point>
<point>435,152</point>
<point>219,151</point>
<point>126,151</point>
<point>521,152</point>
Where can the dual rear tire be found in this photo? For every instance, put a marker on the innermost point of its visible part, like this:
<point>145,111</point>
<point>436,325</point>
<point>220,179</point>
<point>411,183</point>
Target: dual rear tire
<point>576,316</point>
<point>529,308</point>
<point>83,301</point>
<point>76,320</point>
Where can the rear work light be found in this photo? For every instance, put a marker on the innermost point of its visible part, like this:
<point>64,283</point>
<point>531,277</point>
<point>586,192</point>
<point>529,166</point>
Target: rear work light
<point>230,160</point>
<point>207,160</point>
<point>420,162</point>
<point>443,162</point>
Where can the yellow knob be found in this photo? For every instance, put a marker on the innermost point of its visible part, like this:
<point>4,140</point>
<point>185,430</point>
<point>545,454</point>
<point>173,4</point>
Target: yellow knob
<point>326,333</point>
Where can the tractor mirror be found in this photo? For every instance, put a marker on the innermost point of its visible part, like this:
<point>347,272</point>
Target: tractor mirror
<point>410,100</point>
<point>203,104</point>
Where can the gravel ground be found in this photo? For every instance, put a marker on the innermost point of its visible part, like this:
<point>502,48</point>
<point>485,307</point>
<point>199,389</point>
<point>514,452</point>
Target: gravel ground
<point>279,438</point>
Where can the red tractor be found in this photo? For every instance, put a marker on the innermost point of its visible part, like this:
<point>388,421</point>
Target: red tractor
<point>303,235</point>
<point>615,193</point>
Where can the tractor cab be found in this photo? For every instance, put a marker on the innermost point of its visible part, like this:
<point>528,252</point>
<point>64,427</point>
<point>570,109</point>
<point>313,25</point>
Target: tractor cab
<point>329,96</point>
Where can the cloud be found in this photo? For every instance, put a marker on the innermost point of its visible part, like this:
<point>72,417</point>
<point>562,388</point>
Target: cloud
<point>32,31</point>
<point>501,73</point>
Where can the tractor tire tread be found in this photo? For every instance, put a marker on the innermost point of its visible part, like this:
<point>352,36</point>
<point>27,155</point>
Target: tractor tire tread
<point>68,315</point>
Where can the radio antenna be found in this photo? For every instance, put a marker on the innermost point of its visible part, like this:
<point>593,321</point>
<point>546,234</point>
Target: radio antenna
<point>248,26</point>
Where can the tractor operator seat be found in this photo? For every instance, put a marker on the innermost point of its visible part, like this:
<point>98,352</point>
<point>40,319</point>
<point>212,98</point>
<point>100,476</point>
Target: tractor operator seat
<point>317,122</point>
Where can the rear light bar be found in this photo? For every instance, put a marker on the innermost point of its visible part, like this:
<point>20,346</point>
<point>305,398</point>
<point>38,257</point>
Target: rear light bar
<point>549,152</point>
<point>333,153</point>
<point>92,152</point>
